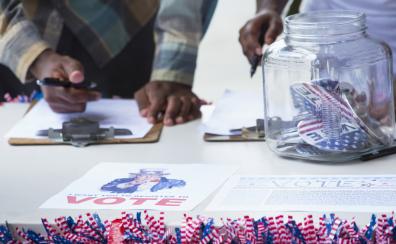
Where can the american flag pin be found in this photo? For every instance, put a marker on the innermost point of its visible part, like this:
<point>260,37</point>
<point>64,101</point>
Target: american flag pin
<point>305,99</point>
<point>309,98</point>
<point>351,138</point>
<point>309,150</point>
<point>370,126</point>
<point>290,136</point>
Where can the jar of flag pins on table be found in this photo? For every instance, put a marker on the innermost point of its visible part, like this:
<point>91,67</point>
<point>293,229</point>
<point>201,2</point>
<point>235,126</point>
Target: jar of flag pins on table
<point>328,89</point>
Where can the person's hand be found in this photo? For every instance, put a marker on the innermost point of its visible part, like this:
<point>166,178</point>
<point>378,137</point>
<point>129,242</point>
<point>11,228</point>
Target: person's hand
<point>175,102</point>
<point>267,22</point>
<point>49,64</point>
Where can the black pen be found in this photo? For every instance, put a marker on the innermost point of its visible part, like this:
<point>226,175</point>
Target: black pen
<point>255,62</point>
<point>65,83</point>
<point>379,154</point>
<point>257,58</point>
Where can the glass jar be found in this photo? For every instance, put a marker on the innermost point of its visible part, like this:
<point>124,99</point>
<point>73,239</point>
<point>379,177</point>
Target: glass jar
<point>328,88</point>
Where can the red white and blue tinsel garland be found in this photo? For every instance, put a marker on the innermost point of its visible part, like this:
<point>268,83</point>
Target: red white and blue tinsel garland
<point>144,228</point>
<point>35,95</point>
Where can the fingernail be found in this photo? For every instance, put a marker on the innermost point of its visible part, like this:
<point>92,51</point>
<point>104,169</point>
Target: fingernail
<point>259,51</point>
<point>151,120</point>
<point>143,112</point>
<point>76,76</point>
<point>179,120</point>
<point>168,122</point>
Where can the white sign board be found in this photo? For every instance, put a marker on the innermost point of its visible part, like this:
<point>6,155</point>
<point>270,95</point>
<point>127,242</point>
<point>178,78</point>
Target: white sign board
<point>364,193</point>
<point>178,187</point>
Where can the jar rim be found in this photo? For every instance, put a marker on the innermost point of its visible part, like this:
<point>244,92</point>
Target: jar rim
<point>323,24</point>
<point>325,18</point>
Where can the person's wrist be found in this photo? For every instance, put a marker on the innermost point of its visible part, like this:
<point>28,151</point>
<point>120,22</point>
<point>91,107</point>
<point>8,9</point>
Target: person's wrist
<point>173,82</point>
<point>276,6</point>
<point>268,11</point>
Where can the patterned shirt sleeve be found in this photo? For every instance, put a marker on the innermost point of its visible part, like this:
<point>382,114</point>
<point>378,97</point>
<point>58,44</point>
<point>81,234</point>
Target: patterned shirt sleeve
<point>20,41</point>
<point>180,26</point>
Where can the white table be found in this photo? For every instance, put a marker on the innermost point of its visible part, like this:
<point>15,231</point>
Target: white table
<point>29,175</point>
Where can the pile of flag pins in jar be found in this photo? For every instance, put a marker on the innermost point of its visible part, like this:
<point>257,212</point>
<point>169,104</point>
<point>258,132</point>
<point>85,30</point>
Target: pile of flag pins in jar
<point>329,120</point>
<point>144,228</point>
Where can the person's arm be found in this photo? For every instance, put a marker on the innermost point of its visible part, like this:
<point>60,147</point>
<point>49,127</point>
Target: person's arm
<point>20,41</point>
<point>275,5</point>
<point>24,51</point>
<point>180,26</point>
<point>267,21</point>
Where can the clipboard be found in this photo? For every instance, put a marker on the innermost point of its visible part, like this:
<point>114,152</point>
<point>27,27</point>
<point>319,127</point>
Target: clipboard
<point>234,138</point>
<point>255,133</point>
<point>151,136</point>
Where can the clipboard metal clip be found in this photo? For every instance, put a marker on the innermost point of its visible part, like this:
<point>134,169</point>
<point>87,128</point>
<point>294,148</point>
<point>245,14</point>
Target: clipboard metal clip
<point>81,132</point>
<point>254,132</point>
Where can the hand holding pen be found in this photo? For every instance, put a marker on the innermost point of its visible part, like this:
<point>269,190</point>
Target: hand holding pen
<point>64,89</point>
<point>260,30</point>
<point>54,82</point>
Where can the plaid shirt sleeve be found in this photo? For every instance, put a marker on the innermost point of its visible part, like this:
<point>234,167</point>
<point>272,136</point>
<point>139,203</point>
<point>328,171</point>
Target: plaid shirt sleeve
<point>20,41</point>
<point>180,26</point>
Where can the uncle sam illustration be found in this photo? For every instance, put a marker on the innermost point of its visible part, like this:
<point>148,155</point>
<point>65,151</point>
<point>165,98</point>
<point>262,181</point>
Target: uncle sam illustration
<point>146,179</point>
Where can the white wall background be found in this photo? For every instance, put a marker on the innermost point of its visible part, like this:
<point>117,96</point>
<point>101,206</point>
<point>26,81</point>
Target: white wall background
<point>221,63</point>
